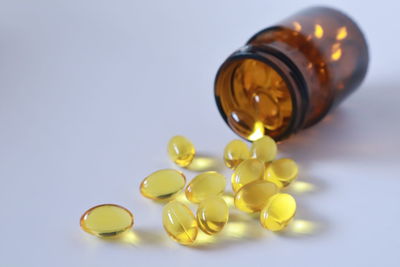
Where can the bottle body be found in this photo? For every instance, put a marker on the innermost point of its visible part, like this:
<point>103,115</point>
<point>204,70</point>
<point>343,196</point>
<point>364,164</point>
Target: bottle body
<point>289,76</point>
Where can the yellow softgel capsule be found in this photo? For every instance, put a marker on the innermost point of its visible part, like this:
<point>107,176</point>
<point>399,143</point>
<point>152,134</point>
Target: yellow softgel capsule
<point>264,149</point>
<point>181,151</point>
<point>235,152</point>
<point>254,196</point>
<point>278,212</point>
<point>281,172</point>
<point>212,215</point>
<point>162,184</point>
<point>179,223</point>
<point>107,220</point>
<point>248,171</point>
<point>270,116</point>
<point>205,185</point>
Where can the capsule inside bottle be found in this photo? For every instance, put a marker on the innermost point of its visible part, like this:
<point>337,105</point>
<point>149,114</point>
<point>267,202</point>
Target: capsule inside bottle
<point>258,102</point>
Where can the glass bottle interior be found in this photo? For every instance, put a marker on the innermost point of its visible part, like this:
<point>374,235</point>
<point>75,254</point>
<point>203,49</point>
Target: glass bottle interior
<point>254,98</point>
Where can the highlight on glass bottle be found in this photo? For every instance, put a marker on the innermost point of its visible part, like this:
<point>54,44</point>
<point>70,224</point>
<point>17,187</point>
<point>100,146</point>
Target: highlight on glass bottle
<point>289,76</point>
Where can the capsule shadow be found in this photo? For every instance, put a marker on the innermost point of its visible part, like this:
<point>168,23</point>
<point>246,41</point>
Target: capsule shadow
<point>140,237</point>
<point>305,224</point>
<point>240,228</point>
<point>203,162</point>
<point>305,185</point>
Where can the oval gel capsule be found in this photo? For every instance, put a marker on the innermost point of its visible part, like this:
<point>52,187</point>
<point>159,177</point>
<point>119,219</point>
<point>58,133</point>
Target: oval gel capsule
<point>212,215</point>
<point>270,116</point>
<point>181,151</point>
<point>179,223</point>
<point>235,152</point>
<point>254,196</point>
<point>264,149</point>
<point>241,122</point>
<point>281,172</point>
<point>205,185</point>
<point>162,184</point>
<point>248,171</point>
<point>278,212</point>
<point>107,220</point>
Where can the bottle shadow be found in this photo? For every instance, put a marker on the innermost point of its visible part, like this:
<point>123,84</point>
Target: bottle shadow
<point>362,130</point>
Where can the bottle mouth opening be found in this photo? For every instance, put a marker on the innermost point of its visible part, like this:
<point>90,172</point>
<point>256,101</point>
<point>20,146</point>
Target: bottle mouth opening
<point>255,97</point>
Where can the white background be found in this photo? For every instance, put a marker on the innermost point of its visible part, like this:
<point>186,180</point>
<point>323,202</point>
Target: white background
<point>91,91</point>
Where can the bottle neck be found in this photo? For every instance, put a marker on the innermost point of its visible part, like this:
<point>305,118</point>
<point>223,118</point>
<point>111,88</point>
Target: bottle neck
<point>227,89</point>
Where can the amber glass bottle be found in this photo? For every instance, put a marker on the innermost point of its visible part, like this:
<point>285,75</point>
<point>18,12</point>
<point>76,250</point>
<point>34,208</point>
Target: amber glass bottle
<point>289,76</point>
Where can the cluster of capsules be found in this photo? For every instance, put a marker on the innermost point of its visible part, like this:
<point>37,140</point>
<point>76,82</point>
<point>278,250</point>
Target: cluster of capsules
<point>256,182</point>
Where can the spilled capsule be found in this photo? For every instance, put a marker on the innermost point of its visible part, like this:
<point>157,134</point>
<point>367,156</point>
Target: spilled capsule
<point>254,196</point>
<point>181,151</point>
<point>212,215</point>
<point>107,220</point>
<point>162,184</point>
<point>264,149</point>
<point>248,171</point>
<point>281,172</point>
<point>205,185</point>
<point>279,211</point>
<point>179,223</point>
<point>235,152</point>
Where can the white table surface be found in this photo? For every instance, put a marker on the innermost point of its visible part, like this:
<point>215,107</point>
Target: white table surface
<point>91,91</point>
